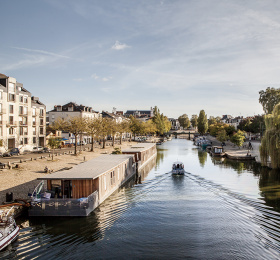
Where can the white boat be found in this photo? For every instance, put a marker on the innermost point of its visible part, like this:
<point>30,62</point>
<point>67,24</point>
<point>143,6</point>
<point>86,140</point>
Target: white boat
<point>8,229</point>
<point>178,168</point>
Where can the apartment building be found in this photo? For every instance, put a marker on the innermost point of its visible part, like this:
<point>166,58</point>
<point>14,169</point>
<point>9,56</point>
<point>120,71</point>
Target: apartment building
<point>69,110</point>
<point>22,116</point>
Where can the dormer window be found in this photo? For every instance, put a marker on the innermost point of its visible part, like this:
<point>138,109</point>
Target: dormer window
<point>59,108</point>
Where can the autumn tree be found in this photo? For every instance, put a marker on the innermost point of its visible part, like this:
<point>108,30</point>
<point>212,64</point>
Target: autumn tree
<point>212,120</point>
<point>75,125</point>
<point>184,121</point>
<point>123,127</point>
<point>92,129</point>
<point>202,123</point>
<point>135,126</point>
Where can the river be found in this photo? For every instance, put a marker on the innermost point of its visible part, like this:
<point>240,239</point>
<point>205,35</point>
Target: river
<point>218,210</point>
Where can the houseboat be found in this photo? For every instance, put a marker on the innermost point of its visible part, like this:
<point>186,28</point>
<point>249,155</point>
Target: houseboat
<point>79,190</point>
<point>142,152</point>
<point>178,168</point>
<point>217,151</point>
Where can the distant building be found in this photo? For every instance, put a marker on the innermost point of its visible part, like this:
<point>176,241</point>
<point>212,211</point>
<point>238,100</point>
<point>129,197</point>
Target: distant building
<point>175,125</point>
<point>22,116</point>
<point>230,120</point>
<point>69,110</point>
<point>141,114</point>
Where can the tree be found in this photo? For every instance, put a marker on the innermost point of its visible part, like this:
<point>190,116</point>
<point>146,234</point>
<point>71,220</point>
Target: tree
<point>92,129</point>
<point>212,120</point>
<point>202,123</point>
<point>75,125</point>
<point>194,121</point>
<point>269,98</point>
<point>162,123</point>
<point>238,138</point>
<point>222,135</point>
<point>123,127</point>
<point>149,127</point>
<point>104,129</point>
<point>184,121</point>
<point>54,143</point>
<point>244,125</point>
<point>270,144</point>
<point>135,126</point>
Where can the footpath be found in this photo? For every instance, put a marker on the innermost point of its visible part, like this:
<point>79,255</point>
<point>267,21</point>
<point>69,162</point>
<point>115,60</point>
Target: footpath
<point>235,151</point>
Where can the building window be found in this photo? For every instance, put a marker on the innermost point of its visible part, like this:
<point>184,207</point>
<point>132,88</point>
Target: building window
<point>21,98</point>
<point>25,110</point>
<point>1,95</point>
<point>41,130</point>
<point>11,120</point>
<point>34,130</point>
<point>11,131</point>
<point>25,99</point>
<point>33,111</point>
<point>105,186</point>
<point>41,112</point>
<point>11,97</point>
<point>25,131</point>
<point>0,107</point>
<point>34,140</point>
<point>41,121</point>
<point>21,130</point>
<point>21,140</point>
<point>12,87</point>
<point>33,121</point>
<point>1,120</point>
<point>11,109</point>
<point>25,140</point>
<point>21,110</point>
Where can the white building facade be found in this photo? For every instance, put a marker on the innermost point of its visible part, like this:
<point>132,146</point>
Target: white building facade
<point>22,117</point>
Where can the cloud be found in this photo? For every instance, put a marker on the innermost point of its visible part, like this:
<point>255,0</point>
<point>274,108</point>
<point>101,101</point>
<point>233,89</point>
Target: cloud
<point>42,52</point>
<point>95,76</point>
<point>119,46</point>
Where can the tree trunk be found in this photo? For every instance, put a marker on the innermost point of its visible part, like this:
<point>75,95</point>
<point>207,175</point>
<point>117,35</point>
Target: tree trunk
<point>92,144</point>
<point>103,142</point>
<point>121,139</point>
<point>75,151</point>
<point>113,140</point>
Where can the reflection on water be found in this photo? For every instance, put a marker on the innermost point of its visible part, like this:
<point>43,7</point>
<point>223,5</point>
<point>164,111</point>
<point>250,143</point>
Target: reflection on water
<point>220,209</point>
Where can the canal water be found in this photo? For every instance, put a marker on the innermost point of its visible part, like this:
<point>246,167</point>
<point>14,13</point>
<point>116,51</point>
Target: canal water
<point>218,210</point>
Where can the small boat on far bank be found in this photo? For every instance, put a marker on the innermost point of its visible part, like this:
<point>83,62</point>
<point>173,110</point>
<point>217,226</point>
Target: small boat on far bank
<point>178,168</point>
<point>217,151</point>
<point>8,229</point>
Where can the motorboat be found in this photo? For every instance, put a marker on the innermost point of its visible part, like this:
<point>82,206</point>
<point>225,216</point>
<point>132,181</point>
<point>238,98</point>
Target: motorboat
<point>217,151</point>
<point>178,168</point>
<point>9,230</point>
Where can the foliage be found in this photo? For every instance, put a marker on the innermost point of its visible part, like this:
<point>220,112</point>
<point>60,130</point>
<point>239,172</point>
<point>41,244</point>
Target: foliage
<point>269,98</point>
<point>202,123</point>
<point>194,121</point>
<point>92,129</point>
<point>75,125</point>
<point>1,142</point>
<point>212,120</point>
<point>149,127</point>
<point>255,125</point>
<point>117,150</point>
<point>230,129</point>
<point>123,127</point>
<point>135,126</point>
<point>54,142</point>
<point>238,138</point>
<point>162,123</point>
<point>270,144</point>
<point>222,135</point>
<point>184,121</point>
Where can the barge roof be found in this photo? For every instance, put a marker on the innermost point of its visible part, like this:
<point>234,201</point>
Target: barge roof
<point>139,147</point>
<point>90,169</point>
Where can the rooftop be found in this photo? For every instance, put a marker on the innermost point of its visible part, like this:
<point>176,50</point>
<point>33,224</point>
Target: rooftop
<point>90,169</point>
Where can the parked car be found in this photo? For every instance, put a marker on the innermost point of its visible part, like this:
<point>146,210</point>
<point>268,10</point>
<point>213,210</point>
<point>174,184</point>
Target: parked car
<point>37,149</point>
<point>45,150</point>
<point>14,151</point>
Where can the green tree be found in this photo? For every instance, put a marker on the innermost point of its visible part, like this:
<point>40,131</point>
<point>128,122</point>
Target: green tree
<point>270,144</point>
<point>194,121</point>
<point>269,98</point>
<point>244,125</point>
<point>184,121</point>
<point>238,138</point>
<point>162,123</point>
<point>149,127</point>
<point>222,135</point>
<point>135,126</point>
<point>202,123</point>
<point>104,129</point>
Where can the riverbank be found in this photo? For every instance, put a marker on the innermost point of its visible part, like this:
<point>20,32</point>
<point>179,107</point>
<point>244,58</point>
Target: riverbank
<point>23,179</point>
<point>236,152</point>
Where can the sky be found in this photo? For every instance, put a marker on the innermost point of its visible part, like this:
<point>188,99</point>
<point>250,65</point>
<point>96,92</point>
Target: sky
<point>179,55</point>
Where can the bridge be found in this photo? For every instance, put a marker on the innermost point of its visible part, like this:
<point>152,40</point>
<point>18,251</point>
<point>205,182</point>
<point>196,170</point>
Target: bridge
<point>183,133</point>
